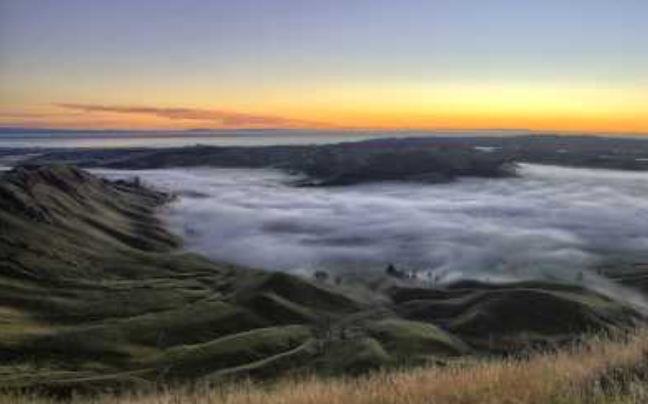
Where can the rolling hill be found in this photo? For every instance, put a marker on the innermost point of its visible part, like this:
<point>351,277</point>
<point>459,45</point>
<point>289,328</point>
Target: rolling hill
<point>95,293</point>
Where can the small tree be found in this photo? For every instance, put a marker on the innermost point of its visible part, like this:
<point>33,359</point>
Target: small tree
<point>392,271</point>
<point>321,276</point>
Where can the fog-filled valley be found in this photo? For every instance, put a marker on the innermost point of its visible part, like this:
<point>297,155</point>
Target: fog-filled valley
<point>548,223</point>
<point>323,202</point>
<point>181,274</point>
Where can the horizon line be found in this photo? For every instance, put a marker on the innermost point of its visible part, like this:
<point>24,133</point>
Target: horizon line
<point>528,131</point>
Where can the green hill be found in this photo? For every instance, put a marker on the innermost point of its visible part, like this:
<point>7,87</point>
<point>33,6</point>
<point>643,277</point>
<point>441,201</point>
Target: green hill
<point>95,293</point>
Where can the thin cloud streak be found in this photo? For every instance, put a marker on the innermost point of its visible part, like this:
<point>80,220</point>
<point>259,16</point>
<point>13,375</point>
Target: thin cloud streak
<point>222,117</point>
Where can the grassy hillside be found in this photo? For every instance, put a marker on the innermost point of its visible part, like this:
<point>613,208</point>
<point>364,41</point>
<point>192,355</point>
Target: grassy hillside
<point>598,371</point>
<point>95,294</point>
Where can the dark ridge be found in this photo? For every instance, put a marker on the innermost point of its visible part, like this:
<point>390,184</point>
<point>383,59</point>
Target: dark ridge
<point>422,159</point>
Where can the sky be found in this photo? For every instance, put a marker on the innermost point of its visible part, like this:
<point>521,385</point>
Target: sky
<point>559,65</point>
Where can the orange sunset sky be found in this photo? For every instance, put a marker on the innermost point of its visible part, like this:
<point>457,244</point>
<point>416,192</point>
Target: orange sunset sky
<point>551,66</point>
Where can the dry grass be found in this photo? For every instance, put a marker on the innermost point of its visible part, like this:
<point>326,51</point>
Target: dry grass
<point>599,371</point>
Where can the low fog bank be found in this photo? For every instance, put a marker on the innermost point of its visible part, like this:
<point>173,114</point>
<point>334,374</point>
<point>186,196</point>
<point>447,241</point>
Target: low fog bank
<point>550,223</point>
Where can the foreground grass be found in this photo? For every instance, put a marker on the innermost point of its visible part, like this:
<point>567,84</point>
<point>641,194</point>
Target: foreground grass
<point>598,371</point>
